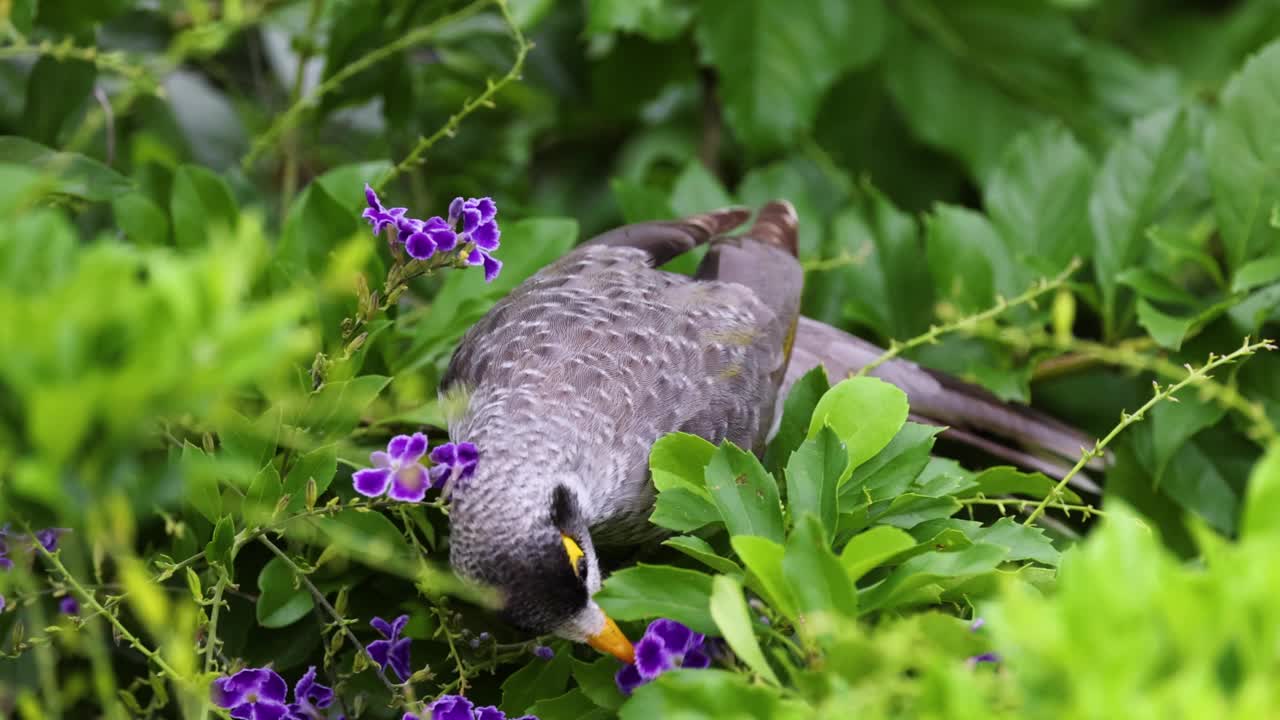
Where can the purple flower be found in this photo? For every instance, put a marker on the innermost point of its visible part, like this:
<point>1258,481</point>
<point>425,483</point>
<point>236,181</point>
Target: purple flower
<point>453,461</point>
<point>252,694</point>
<point>377,215</point>
<point>399,469</point>
<point>479,227</point>
<point>49,537</point>
<point>3,603</point>
<point>544,652</point>
<point>309,697</point>
<point>69,606</point>
<point>977,624</point>
<point>422,238</point>
<point>393,650</point>
<point>666,645</point>
<point>456,707</point>
<point>989,657</point>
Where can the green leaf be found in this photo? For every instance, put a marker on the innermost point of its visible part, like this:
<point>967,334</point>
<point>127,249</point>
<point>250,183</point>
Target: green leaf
<point>1243,152</point>
<point>320,464</point>
<point>818,582</point>
<point>696,190</point>
<point>1137,179</point>
<point>595,679</point>
<point>280,603</point>
<point>1006,480</point>
<point>640,203</point>
<point>729,610</point>
<point>368,537</point>
<point>746,495</point>
<point>221,547</point>
<point>710,694</point>
<point>141,220</point>
<point>928,568</point>
<point>796,411</point>
<point>573,705</point>
<point>776,60</point>
<point>263,494</point>
<point>679,460</point>
<point>200,473</point>
<point>964,253</point>
<point>657,20</point>
<point>890,472</point>
<point>1263,271</point>
<point>683,510</point>
<point>1263,497</point>
<point>1038,199</point>
<point>701,550</point>
<point>200,202</point>
<point>763,557</point>
<point>910,509</point>
<point>1167,330</point>
<point>865,414</point>
<point>335,409</point>
<point>56,90</point>
<point>69,173</point>
<point>868,550</point>
<point>649,591</point>
<point>1024,542</point>
<point>537,679</point>
<point>812,476</point>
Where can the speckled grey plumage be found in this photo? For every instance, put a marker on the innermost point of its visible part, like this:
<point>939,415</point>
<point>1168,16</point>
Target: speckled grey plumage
<point>571,378</point>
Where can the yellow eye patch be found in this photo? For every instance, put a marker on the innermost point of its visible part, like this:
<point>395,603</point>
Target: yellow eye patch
<point>576,556</point>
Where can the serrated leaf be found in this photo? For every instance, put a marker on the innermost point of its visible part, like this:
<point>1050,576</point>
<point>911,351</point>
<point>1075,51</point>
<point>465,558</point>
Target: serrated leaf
<point>891,471</point>
<point>777,59</point>
<point>745,494</point>
<point>729,610</point>
<point>925,569</point>
<point>652,591</point>
<point>1024,542</point>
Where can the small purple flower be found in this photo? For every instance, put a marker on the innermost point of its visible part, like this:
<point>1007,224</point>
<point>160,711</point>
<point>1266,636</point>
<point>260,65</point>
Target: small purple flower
<point>544,652</point>
<point>977,624</point>
<point>398,472</point>
<point>377,215</point>
<point>252,694</point>
<point>393,650</point>
<point>988,657</point>
<point>453,461</point>
<point>456,707</point>
<point>49,537</point>
<point>479,227</point>
<point>309,697</point>
<point>666,645</point>
<point>69,606</point>
<point>423,238</point>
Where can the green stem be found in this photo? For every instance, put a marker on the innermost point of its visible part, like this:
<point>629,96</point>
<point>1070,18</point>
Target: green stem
<point>1126,419</point>
<point>1086,510</point>
<point>211,641</point>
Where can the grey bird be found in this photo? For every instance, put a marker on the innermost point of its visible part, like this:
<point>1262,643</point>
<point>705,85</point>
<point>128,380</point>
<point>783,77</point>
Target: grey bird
<point>567,382</point>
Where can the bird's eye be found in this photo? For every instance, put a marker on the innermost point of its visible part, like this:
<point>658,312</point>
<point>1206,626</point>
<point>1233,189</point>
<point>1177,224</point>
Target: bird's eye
<point>577,558</point>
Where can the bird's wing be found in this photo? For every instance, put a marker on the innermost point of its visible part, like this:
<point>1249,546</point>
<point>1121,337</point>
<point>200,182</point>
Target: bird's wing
<point>1012,432</point>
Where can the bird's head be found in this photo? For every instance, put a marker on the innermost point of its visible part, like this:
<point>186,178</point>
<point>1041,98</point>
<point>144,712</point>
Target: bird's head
<point>540,558</point>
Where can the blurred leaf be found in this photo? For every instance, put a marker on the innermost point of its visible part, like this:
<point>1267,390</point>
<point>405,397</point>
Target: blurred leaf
<point>1243,150</point>
<point>652,591</point>
<point>368,537</point>
<point>538,678</point>
<point>928,568</point>
<point>201,474</point>
<point>208,120</point>
<point>200,203</point>
<point>696,190</point>
<point>1137,179</point>
<point>221,547</point>
<point>812,476</point>
<point>46,113</point>
<point>1006,480</point>
<point>263,494</point>
<point>775,61</point>
<point>1263,271</point>
<point>320,464</point>
<point>964,254</point>
<point>655,19</point>
<point>1194,481</point>
<point>763,557</point>
<point>335,409</point>
<point>142,221</point>
<point>640,203</point>
<point>573,705</point>
<point>729,611</point>
<point>745,493</point>
<point>71,173</point>
<point>1263,497</point>
<point>709,694</point>
<point>865,414</point>
<point>1167,330</point>
<point>868,550</point>
<point>280,604</point>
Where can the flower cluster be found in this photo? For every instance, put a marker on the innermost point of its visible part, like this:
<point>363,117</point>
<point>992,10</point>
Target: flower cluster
<point>666,645</point>
<point>399,473</point>
<point>260,694</point>
<point>456,707</point>
<point>478,235</point>
<point>391,651</point>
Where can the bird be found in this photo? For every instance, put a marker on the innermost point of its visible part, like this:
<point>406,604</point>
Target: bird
<point>567,382</point>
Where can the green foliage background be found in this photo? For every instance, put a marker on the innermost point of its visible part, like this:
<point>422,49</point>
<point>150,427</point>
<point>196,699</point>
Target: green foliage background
<point>198,347</point>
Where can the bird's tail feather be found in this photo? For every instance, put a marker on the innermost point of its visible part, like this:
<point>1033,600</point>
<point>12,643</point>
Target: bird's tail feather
<point>976,417</point>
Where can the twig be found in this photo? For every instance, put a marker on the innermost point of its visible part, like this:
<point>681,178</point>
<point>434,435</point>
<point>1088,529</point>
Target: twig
<point>1127,419</point>
<point>935,331</point>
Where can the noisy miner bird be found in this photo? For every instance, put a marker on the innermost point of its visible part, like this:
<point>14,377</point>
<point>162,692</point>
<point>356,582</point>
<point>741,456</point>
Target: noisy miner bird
<point>566,384</point>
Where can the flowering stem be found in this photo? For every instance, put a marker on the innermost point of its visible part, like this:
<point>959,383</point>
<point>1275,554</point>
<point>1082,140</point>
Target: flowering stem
<point>323,602</point>
<point>969,321</point>
<point>211,641</point>
<point>1126,419</point>
<point>453,650</point>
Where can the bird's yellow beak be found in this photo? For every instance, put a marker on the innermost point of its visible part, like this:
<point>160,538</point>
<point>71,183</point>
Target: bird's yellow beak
<point>611,641</point>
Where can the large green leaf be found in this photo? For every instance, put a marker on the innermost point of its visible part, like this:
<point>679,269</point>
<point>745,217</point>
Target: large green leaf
<point>280,602</point>
<point>776,59</point>
<point>869,549</point>
<point>745,493</point>
<point>929,568</point>
<point>812,476</point>
<point>729,610</point>
<point>69,173</point>
<point>1243,152</point>
<point>537,679</point>
<point>763,557</point>
<point>865,414</point>
<point>653,591</point>
<point>819,583</point>
<point>796,411</point>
